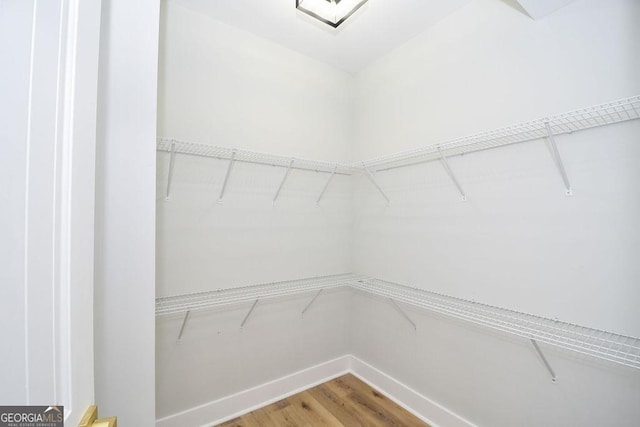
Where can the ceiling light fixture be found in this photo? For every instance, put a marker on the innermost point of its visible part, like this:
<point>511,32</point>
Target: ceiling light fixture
<point>331,12</point>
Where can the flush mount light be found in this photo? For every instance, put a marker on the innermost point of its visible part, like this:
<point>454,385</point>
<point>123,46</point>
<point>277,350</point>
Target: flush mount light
<point>331,12</point>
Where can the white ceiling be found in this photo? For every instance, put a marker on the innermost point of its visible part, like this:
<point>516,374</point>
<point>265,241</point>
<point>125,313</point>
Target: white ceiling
<point>375,29</point>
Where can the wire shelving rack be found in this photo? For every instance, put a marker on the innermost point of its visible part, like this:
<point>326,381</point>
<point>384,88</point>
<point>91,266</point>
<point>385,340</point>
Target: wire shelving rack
<point>586,118</point>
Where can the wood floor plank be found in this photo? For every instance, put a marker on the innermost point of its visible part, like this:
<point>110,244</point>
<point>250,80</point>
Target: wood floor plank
<point>343,402</point>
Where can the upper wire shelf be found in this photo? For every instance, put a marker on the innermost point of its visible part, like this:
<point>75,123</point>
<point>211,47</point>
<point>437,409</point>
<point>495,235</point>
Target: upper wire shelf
<point>224,153</point>
<point>586,118</point>
<point>609,346</point>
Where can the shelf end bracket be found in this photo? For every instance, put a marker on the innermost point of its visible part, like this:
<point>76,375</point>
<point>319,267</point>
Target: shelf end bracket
<point>447,168</point>
<point>557,159</point>
<point>170,176</point>
<point>284,179</point>
<point>324,189</point>
<point>404,314</point>
<point>226,177</point>
<point>544,360</point>
<point>184,324</point>
<point>375,183</point>
<point>312,301</point>
<point>249,313</point>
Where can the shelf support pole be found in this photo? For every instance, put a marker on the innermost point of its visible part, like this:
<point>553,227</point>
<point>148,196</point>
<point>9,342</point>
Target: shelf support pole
<point>170,176</point>
<point>324,189</point>
<point>544,360</point>
<point>312,301</point>
<point>249,313</point>
<point>284,179</point>
<point>395,304</point>
<point>447,168</point>
<point>374,182</point>
<point>557,159</point>
<point>226,177</point>
<point>184,324</point>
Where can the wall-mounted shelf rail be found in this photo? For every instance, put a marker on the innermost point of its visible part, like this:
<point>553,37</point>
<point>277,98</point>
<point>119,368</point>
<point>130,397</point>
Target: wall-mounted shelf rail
<point>223,153</point>
<point>206,300</point>
<point>600,344</point>
<point>586,118</point>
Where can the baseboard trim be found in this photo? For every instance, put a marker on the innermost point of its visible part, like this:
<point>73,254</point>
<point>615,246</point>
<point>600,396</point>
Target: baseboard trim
<point>419,405</point>
<point>235,405</point>
<point>232,406</point>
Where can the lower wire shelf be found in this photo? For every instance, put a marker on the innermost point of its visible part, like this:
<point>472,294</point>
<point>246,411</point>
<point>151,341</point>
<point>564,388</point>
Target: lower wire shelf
<point>612,347</point>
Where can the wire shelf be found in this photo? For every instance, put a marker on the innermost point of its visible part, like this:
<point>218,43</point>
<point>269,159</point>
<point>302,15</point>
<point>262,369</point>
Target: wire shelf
<point>612,347</point>
<point>222,297</point>
<point>599,115</point>
<point>224,153</point>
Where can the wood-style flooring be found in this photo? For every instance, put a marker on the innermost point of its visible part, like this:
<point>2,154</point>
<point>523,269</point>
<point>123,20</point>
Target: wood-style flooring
<point>345,401</point>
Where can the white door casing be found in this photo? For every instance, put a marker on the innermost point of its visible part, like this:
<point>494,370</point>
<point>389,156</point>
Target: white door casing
<point>47,156</point>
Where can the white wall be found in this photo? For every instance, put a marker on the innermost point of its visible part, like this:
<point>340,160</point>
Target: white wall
<point>518,242</point>
<point>222,86</point>
<point>125,212</point>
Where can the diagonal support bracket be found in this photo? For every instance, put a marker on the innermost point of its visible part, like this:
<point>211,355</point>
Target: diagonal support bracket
<point>284,179</point>
<point>375,183</point>
<point>544,360</point>
<point>312,301</point>
<point>184,324</point>
<point>170,176</point>
<point>557,159</point>
<point>405,315</point>
<point>226,176</point>
<point>249,313</point>
<point>447,168</point>
<point>324,189</point>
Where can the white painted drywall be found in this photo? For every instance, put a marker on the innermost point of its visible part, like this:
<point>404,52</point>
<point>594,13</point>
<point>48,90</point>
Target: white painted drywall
<point>125,212</point>
<point>223,86</point>
<point>518,241</point>
<point>227,87</point>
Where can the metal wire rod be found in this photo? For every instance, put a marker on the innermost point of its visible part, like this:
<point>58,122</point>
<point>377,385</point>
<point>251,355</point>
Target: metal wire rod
<point>312,301</point>
<point>170,175</point>
<point>557,159</point>
<point>226,176</point>
<point>284,178</point>
<point>375,183</point>
<point>324,189</point>
<point>249,313</point>
<point>544,360</point>
<point>447,168</point>
<point>405,315</point>
<point>184,323</point>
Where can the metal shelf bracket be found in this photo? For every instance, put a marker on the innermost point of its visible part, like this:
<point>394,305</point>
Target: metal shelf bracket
<point>284,179</point>
<point>184,324</point>
<point>404,314</point>
<point>324,189</point>
<point>249,313</point>
<point>557,159</point>
<point>544,360</point>
<point>447,168</point>
<point>312,301</point>
<point>226,177</point>
<point>374,182</point>
<point>170,176</point>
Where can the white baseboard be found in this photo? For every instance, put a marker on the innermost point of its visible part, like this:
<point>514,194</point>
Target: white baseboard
<point>419,405</point>
<point>237,404</point>
<point>232,406</point>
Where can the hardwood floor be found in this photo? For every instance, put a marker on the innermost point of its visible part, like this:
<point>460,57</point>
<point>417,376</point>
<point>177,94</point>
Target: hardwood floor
<point>345,401</point>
